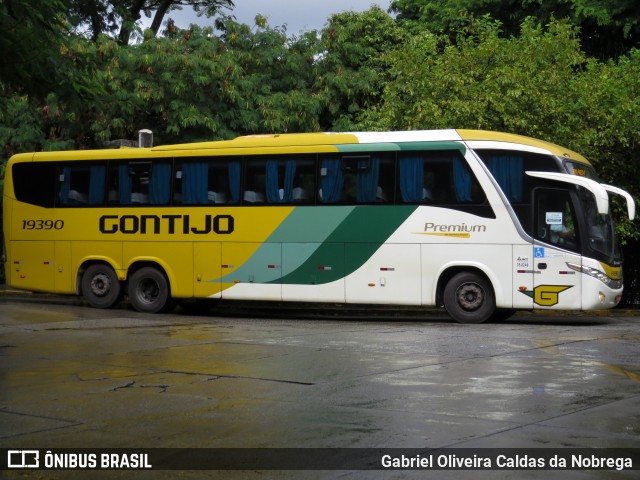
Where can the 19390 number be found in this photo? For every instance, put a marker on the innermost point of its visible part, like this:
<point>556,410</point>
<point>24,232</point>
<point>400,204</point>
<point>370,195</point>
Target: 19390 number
<point>42,224</point>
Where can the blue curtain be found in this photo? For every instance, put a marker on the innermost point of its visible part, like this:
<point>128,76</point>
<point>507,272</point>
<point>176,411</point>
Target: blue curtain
<point>289,177</point>
<point>125,185</point>
<point>367,182</point>
<point>195,183</point>
<point>234,181</point>
<point>97,175</point>
<point>332,182</point>
<point>160,184</point>
<point>411,179</point>
<point>461,181</point>
<point>66,186</point>
<point>509,173</point>
<point>273,188</point>
<point>272,182</point>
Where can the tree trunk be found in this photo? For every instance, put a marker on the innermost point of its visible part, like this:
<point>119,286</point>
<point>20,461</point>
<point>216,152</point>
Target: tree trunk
<point>159,16</point>
<point>134,16</point>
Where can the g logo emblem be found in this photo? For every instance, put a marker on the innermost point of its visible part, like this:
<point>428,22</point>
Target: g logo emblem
<point>547,295</point>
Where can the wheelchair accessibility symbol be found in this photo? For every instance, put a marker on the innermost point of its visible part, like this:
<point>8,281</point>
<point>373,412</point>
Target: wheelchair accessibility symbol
<point>538,252</point>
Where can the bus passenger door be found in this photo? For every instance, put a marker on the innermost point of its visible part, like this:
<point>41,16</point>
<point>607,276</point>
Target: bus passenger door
<point>523,276</point>
<point>556,244</point>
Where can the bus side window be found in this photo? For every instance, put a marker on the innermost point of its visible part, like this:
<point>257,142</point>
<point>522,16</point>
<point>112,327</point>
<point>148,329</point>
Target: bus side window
<point>81,185</point>
<point>304,181</point>
<point>140,183</point>
<point>508,170</point>
<point>283,179</point>
<point>437,177</point>
<point>35,183</point>
<point>192,178</point>
<point>508,167</point>
<point>254,181</point>
<point>219,183</point>
<point>357,179</point>
<point>415,185</point>
<point>205,181</point>
<point>288,180</point>
<point>331,183</point>
<point>555,219</point>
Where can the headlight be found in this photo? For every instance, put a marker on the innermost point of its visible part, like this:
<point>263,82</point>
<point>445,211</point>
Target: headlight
<point>592,272</point>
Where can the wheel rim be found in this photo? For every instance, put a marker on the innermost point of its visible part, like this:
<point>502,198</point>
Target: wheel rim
<point>100,285</point>
<point>470,296</point>
<point>148,291</point>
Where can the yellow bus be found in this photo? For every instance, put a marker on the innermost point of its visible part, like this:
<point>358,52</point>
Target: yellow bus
<point>482,223</point>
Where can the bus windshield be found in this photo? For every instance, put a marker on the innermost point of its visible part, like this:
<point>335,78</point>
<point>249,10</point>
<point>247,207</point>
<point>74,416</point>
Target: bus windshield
<point>600,231</point>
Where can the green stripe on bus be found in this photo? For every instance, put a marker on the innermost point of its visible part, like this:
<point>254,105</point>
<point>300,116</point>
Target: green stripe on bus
<point>368,227</point>
<point>307,226</point>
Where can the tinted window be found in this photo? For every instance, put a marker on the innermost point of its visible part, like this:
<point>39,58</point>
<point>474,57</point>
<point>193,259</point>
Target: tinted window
<point>202,181</point>
<point>281,179</point>
<point>437,178</point>
<point>555,219</point>
<point>81,184</point>
<point>140,183</point>
<point>508,167</point>
<point>35,183</point>
<point>366,178</point>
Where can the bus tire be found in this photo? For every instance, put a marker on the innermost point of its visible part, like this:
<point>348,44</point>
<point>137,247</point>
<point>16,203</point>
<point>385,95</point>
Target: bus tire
<point>148,290</point>
<point>468,298</point>
<point>100,286</point>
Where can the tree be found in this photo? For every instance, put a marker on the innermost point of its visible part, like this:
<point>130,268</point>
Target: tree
<point>608,28</point>
<point>120,17</point>
<point>353,65</point>
<point>193,85</point>
<point>520,84</point>
<point>539,84</point>
<point>32,33</point>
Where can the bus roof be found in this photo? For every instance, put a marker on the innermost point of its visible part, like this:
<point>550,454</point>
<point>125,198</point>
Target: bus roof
<point>484,135</point>
<point>307,143</point>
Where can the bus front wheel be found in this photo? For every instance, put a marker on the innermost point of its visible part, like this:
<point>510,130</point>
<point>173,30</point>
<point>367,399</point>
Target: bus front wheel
<point>469,298</point>
<point>100,286</point>
<point>148,290</point>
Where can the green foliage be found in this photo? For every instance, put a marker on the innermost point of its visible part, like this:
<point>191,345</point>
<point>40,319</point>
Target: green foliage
<point>32,32</point>
<point>538,84</point>
<point>353,65</point>
<point>193,85</point>
<point>485,81</point>
<point>608,28</point>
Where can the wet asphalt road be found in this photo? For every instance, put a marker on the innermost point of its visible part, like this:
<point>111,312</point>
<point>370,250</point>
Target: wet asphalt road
<point>77,377</point>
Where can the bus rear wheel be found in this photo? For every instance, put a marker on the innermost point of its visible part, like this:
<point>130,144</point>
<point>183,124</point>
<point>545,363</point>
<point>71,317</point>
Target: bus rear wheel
<point>469,298</point>
<point>148,290</point>
<point>100,286</point>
